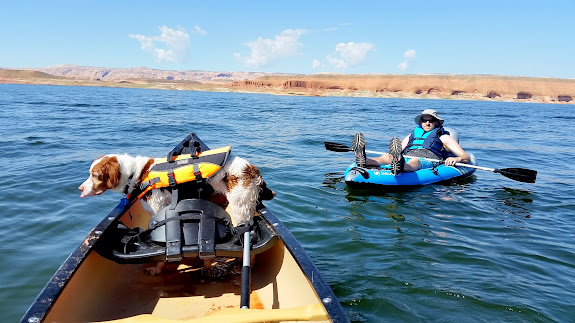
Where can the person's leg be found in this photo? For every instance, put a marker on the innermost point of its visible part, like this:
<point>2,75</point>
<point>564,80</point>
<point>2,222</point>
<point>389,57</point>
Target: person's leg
<point>412,165</point>
<point>397,160</point>
<point>384,159</point>
<point>394,158</point>
<point>358,146</point>
<point>415,163</point>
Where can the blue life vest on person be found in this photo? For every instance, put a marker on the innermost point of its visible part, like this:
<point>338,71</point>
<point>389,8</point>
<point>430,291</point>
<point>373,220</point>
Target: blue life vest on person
<point>420,139</point>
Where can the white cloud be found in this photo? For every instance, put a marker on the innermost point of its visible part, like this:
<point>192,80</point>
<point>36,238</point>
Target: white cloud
<point>170,46</point>
<point>265,51</point>
<point>350,54</point>
<point>199,30</point>
<point>328,29</point>
<point>338,63</point>
<point>410,54</point>
<point>315,64</point>
<point>403,66</point>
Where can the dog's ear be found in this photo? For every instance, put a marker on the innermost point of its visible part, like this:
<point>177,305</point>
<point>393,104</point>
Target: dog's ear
<point>109,168</point>
<point>251,174</point>
<point>113,173</point>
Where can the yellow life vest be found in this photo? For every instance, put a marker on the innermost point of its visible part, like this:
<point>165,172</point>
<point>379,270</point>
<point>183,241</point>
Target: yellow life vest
<point>184,168</point>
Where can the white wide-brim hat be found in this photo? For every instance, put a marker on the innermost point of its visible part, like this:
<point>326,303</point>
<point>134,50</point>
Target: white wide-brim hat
<point>429,112</point>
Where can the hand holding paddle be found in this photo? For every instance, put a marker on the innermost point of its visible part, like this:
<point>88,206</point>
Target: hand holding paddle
<point>516,174</point>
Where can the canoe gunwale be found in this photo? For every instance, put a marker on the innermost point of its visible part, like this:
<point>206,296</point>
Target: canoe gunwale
<point>325,293</point>
<point>47,297</point>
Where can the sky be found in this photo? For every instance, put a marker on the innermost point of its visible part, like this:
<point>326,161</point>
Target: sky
<point>503,37</point>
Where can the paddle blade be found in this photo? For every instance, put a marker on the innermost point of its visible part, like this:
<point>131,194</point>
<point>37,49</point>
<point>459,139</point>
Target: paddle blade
<point>518,174</point>
<point>334,146</point>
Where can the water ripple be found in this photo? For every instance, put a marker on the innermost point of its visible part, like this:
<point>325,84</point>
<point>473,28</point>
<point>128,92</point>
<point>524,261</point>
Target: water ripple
<point>485,249</point>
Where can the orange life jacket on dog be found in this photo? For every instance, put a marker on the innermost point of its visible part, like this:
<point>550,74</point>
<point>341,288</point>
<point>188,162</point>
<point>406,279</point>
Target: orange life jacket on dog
<point>184,168</point>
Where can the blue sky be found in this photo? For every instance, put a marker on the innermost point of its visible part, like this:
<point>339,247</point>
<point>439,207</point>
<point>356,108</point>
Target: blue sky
<point>521,38</point>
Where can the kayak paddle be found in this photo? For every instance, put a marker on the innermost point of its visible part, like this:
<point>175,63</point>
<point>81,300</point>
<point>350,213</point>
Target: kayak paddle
<point>514,173</point>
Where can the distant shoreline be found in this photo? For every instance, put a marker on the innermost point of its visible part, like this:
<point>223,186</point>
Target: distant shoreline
<point>447,87</point>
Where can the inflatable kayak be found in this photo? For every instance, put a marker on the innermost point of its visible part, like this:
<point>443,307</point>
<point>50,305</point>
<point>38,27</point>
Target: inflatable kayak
<point>373,175</point>
<point>104,279</point>
<point>381,175</point>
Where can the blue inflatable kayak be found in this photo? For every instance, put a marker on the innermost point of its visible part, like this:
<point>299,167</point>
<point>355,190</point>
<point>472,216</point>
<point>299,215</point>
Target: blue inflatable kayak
<point>381,175</point>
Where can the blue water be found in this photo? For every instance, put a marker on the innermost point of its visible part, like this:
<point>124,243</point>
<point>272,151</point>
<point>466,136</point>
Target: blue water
<point>487,249</point>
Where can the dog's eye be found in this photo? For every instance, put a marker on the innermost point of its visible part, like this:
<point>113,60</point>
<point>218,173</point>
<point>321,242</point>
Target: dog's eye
<point>97,175</point>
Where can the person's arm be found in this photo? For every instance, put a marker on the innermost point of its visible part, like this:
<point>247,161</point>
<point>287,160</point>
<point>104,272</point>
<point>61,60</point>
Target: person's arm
<point>454,147</point>
<point>404,143</point>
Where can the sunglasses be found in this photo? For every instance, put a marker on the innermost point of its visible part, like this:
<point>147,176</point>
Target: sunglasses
<point>427,120</point>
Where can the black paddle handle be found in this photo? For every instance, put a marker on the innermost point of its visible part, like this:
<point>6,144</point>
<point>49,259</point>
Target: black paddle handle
<point>245,298</point>
<point>246,272</point>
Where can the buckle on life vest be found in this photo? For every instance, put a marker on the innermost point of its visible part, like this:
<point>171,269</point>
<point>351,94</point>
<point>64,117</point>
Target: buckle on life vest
<point>149,183</point>
<point>197,173</point>
<point>171,178</point>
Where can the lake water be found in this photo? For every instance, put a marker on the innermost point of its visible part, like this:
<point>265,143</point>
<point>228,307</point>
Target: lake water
<point>487,249</point>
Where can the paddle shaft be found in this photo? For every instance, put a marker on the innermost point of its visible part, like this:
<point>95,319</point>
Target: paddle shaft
<point>438,161</point>
<point>245,296</point>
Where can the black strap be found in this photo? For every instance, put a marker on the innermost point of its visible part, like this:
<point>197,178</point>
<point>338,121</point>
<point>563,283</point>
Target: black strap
<point>171,178</point>
<point>172,222</point>
<point>173,231</point>
<point>128,184</point>
<point>149,182</point>
<point>207,237</point>
<point>195,216</point>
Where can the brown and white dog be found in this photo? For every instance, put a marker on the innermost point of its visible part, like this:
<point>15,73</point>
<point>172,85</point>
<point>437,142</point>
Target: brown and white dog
<point>240,182</point>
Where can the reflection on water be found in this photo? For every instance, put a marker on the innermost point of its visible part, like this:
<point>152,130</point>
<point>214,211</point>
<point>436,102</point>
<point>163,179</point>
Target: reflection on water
<point>331,179</point>
<point>518,200</point>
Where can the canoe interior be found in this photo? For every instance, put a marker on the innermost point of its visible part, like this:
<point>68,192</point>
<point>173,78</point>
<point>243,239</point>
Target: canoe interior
<point>103,290</point>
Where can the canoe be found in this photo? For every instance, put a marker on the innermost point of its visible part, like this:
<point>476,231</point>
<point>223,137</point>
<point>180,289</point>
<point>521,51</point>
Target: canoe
<point>381,176</point>
<point>101,281</point>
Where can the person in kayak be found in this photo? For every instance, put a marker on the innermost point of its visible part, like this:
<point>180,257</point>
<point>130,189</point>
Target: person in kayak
<point>429,140</point>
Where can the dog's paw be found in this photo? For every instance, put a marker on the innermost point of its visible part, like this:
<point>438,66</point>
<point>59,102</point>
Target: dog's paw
<point>156,270</point>
<point>209,272</point>
<point>152,271</point>
<point>237,282</point>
